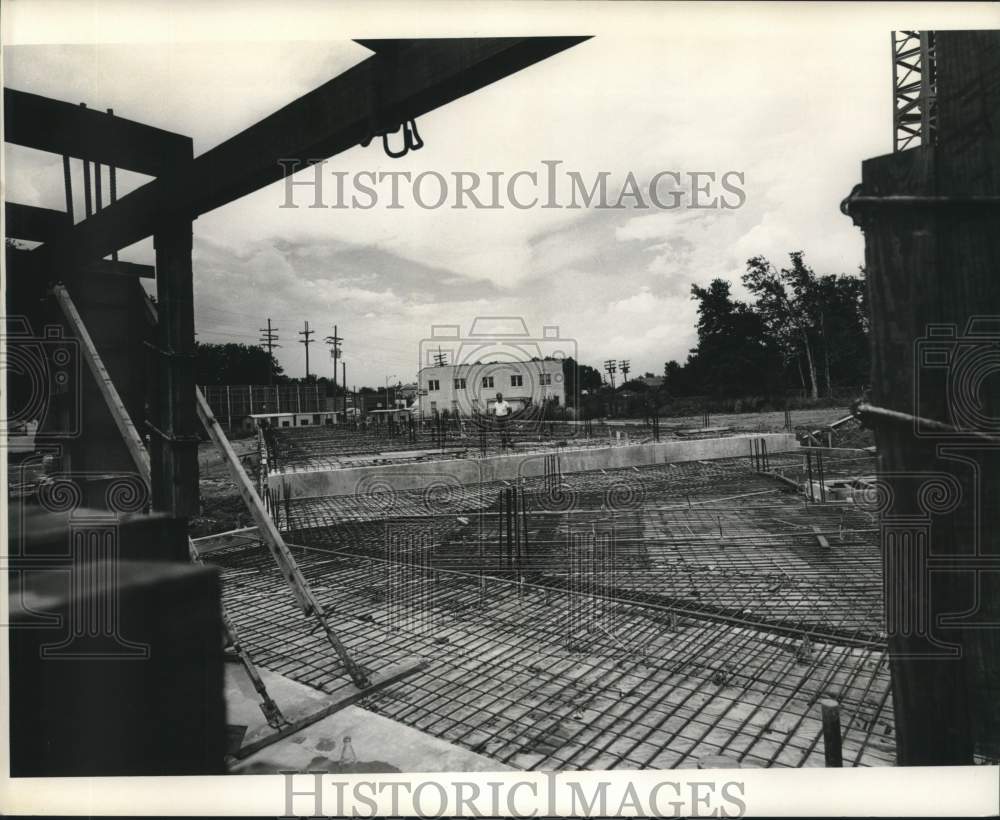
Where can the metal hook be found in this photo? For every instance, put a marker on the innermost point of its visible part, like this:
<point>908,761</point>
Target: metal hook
<point>395,154</point>
<point>413,136</point>
<point>411,139</point>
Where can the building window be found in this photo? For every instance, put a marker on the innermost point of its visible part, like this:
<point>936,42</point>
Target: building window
<point>487,381</point>
<point>460,384</point>
<point>433,384</point>
<point>517,380</point>
<point>546,378</point>
<point>303,422</point>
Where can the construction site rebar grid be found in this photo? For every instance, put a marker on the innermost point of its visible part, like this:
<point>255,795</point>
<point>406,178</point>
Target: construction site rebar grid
<point>647,617</point>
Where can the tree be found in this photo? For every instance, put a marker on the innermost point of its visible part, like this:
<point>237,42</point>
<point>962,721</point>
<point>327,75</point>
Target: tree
<point>820,321</point>
<point>843,317</point>
<point>578,377</point>
<point>734,355</point>
<point>234,364</point>
<point>786,303</point>
<point>799,323</point>
<point>673,375</point>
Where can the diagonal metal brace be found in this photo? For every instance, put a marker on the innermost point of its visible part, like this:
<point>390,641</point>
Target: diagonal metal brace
<point>275,719</point>
<point>275,543</point>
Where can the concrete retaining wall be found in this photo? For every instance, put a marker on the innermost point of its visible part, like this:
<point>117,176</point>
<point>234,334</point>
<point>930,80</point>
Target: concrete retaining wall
<point>421,475</point>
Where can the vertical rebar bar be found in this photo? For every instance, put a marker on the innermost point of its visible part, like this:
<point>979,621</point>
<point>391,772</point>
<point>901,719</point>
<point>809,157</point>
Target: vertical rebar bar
<point>516,531</point>
<point>809,472</point>
<point>500,531</point>
<point>510,533</point>
<point>822,477</point>
<point>524,519</point>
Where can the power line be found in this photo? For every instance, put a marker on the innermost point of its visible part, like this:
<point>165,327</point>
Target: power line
<point>269,338</point>
<point>306,341</point>
<point>334,342</point>
<point>609,366</point>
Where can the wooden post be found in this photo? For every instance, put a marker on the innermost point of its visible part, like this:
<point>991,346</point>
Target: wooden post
<point>174,441</point>
<point>831,733</point>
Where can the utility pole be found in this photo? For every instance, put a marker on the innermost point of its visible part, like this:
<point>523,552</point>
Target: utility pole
<point>440,359</point>
<point>306,341</point>
<point>269,339</point>
<point>343,381</point>
<point>334,342</point>
<point>609,365</point>
<point>625,365</point>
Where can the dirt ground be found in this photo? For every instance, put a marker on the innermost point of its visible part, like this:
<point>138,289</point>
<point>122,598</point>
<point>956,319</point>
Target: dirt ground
<point>221,506</point>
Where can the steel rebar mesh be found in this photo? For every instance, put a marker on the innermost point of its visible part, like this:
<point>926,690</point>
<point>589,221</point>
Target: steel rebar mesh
<point>654,616</point>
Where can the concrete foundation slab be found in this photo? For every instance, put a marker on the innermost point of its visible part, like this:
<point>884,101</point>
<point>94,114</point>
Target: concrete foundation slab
<point>395,477</point>
<point>379,743</point>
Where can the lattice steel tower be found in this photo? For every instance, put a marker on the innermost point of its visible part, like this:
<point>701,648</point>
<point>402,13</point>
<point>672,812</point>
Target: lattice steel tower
<point>914,89</point>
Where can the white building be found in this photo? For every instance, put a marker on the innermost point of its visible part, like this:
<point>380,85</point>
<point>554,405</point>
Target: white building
<point>276,420</point>
<point>472,388</point>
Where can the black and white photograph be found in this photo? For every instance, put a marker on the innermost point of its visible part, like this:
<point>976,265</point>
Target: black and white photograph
<point>501,409</point>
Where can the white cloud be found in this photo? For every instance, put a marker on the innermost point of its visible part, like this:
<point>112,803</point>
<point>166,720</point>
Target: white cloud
<point>642,302</point>
<point>670,98</point>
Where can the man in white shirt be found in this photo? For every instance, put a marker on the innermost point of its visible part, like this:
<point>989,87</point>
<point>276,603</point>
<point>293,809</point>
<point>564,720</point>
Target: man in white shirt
<point>501,412</point>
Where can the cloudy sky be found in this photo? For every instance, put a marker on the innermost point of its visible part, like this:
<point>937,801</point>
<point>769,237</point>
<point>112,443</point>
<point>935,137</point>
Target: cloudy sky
<point>793,101</point>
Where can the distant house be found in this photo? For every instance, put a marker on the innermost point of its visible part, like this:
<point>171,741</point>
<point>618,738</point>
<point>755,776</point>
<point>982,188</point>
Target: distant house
<point>471,388</point>
<point>380,400</point>
<point>277,420</point>
<point>652,382</point>
<point>407,393</point>
<point>399,415</point>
